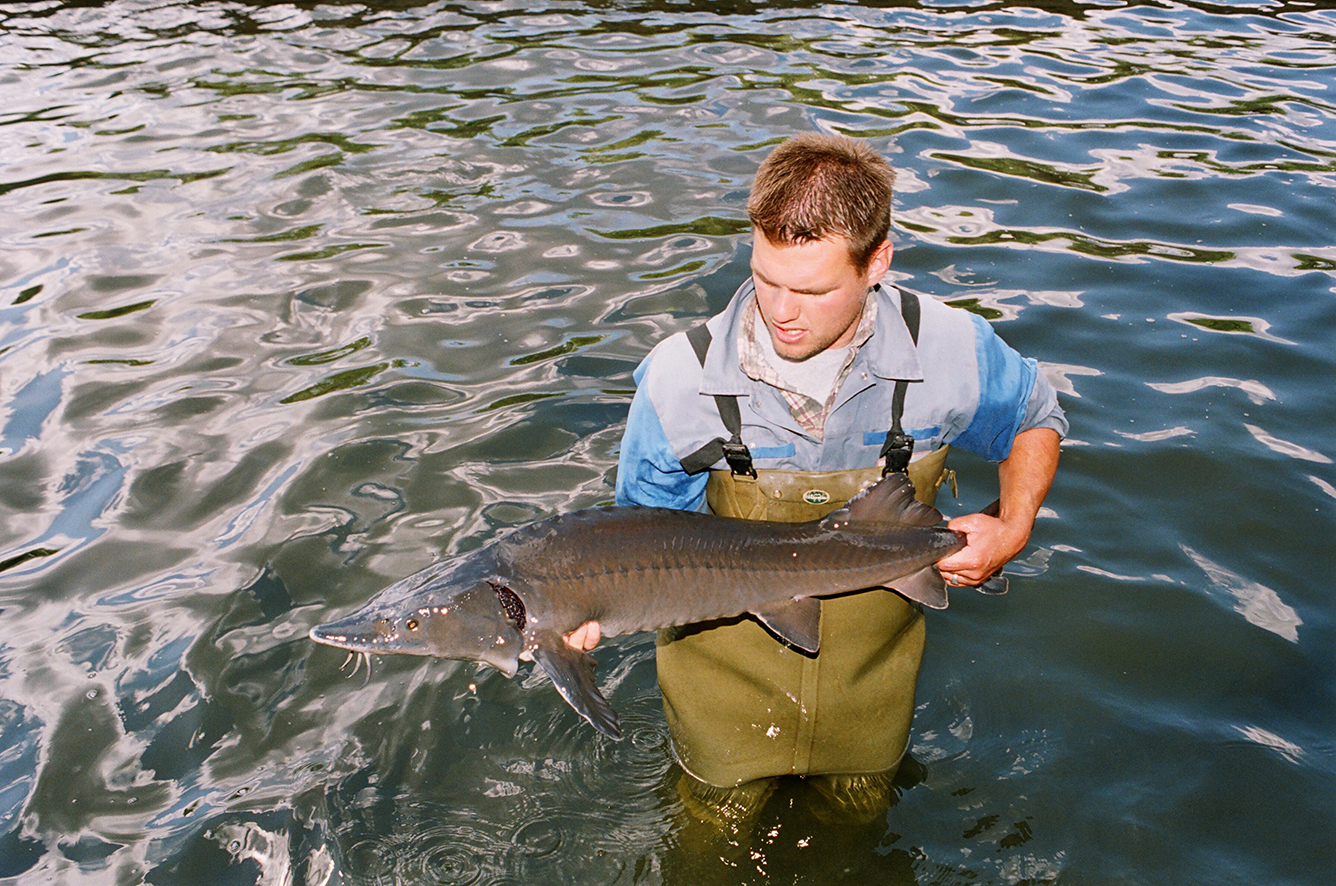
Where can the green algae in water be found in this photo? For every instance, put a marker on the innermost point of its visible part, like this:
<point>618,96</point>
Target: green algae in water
<point>1222,324</point>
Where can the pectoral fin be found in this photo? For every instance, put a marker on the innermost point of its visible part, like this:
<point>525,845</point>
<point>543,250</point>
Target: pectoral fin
<point>925,586</point>
<point>572,672</point>
<point>796,622</point>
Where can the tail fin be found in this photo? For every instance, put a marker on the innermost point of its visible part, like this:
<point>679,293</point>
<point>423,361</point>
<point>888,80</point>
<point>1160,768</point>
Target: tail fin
<point>889,500</point>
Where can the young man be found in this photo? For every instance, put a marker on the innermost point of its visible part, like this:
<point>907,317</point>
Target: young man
<point>808,354</point>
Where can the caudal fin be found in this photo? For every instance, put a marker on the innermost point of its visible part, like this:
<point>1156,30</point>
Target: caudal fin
<point>888,501</point>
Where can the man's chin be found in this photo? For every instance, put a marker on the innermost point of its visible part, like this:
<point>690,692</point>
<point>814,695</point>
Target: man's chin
<point>795,352</point>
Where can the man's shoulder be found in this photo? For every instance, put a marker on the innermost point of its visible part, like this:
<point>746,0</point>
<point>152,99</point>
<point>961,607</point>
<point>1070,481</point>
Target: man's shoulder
<point>672,356</point>
<point>685,350</point>
<point>938,316</point>
<point>670,375</point>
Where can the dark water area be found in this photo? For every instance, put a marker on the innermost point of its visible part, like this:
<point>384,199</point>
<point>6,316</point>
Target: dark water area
<point>298,298</point>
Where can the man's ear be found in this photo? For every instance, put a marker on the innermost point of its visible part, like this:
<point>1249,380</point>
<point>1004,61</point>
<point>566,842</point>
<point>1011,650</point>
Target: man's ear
<point>879,263</point>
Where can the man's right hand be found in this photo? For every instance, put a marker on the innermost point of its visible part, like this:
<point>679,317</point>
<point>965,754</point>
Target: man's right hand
<point>585,637</point>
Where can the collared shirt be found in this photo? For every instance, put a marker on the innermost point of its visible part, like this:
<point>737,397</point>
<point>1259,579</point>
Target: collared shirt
<point>807,411</point>
<point>969,389</point>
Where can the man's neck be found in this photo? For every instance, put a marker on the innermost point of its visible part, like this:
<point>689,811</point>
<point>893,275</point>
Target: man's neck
<point>814,376</point>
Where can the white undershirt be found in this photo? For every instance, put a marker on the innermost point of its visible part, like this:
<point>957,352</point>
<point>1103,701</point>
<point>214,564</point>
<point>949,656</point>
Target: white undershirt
<point>814,377</point>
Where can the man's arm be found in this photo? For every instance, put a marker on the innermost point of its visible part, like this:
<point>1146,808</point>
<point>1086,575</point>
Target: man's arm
<point>1024,477</point>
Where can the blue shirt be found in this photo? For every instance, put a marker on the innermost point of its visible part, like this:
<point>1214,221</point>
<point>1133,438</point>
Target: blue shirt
<point>971,391</point>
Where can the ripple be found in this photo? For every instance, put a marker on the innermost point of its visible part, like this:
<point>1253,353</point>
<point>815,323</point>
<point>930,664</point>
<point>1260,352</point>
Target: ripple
<point>1257,392</point>
<point>621,199</point>
<point>1285,447</point>
<point>1257,210</point>
<point>1234,325</point>
<point>1157,436</point>
<point>1060,376</point>
<point>443,856</point>
<point>1326,487</point>
<point>1259,736</point>
<point>538,839</point>
<point>370,860</point>
<point>1258,604</point>
<point>677,246</point>
<point>498,241</point>
<point>524,207</point>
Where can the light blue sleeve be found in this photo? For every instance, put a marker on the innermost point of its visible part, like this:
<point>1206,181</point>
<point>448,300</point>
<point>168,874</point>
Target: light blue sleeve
<point>1006,380</point>
<point>1043,410</point>
<point>649,474</point>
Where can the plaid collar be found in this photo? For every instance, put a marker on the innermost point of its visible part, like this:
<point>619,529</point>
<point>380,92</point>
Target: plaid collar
<point>810,414</point>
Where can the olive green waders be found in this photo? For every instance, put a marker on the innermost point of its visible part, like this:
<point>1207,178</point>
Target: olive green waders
<point>743,706</point>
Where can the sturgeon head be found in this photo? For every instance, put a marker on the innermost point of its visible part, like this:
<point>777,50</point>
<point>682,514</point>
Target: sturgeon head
<point>449,610</point>
<point>462,609</point>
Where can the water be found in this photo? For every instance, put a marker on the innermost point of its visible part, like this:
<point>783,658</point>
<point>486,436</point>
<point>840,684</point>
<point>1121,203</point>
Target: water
<point>296,298</point>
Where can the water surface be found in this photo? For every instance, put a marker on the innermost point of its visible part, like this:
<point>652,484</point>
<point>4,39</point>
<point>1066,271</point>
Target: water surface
<point>297,298</point>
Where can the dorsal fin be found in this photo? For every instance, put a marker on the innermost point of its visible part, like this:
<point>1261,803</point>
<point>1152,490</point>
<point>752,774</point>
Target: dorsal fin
<point>888,501</point>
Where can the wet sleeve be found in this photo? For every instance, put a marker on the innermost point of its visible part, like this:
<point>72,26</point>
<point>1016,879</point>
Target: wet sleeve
<point>1043,410</point>
<point>1006,383</point>
<point>649,474</point>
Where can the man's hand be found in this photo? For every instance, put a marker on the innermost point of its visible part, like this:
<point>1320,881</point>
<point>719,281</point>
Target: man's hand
<point>1025,477</point>
<point>989,544</point>
<point>585,637</point>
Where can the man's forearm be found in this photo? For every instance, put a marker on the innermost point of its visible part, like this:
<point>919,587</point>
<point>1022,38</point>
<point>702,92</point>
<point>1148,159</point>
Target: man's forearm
<point>1026,475</point>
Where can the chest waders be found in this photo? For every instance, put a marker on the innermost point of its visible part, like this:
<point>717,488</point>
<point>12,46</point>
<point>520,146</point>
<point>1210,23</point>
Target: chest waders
<point>741,705</point>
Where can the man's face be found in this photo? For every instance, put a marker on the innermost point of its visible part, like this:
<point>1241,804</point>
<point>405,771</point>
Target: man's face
<point>810,295</point>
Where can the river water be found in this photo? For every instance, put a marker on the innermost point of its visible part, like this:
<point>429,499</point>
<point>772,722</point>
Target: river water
<point>296,298</point>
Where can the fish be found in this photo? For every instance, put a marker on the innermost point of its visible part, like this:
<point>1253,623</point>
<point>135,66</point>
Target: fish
<point>637,569</point>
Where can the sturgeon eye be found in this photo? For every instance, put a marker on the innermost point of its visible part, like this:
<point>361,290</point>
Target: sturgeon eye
<point>411,624</point>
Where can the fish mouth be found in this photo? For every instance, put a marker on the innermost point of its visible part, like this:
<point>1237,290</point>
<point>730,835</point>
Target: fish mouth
<point>357,633</point>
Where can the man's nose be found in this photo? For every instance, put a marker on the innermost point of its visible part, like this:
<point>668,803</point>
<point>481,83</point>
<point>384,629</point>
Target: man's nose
<point>784,306</point>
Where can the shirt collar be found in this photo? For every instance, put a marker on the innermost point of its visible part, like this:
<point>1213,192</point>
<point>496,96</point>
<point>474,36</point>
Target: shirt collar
<point>891,352</point>
<point>882,341</point>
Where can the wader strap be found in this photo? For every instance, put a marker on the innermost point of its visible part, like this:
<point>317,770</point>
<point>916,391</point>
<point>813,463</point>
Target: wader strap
<point>899,446</point>
<point>732,450</point>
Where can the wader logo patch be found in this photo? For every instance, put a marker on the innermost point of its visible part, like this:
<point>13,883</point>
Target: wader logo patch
<point>816,496</point>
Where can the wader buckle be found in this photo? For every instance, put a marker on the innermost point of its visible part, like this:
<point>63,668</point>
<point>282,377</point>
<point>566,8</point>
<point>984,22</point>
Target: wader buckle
<point>739,459</point>
<point>899,449</point>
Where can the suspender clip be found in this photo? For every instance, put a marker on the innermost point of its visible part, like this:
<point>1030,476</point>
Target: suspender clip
<point>898,450</point>
<point>739,459</point>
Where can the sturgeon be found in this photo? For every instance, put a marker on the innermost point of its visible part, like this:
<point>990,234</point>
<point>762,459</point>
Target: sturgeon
<point>638,569</point>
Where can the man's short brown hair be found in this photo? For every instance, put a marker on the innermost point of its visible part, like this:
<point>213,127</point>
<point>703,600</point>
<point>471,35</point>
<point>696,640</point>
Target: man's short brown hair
<point>814,186</point>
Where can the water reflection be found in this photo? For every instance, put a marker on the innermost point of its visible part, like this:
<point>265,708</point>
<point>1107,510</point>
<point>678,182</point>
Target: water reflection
<point>1260,605</point>
<point>295,299</point>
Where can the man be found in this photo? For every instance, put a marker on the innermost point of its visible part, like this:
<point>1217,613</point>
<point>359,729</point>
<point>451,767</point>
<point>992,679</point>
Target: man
<point>810,358</point>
